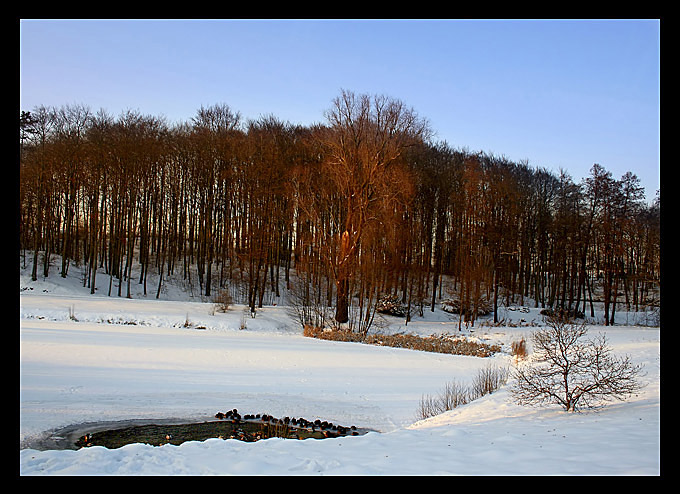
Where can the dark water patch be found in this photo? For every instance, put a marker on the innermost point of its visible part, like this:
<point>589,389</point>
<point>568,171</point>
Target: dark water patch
<point>230,425</point>
<point>66,437</point>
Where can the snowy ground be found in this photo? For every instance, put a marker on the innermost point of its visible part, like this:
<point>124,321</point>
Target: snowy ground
<point>164,359</point>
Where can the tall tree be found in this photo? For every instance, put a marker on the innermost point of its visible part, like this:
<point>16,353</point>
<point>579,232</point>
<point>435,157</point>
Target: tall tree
<point>365,205</point>
<point>365,138</point>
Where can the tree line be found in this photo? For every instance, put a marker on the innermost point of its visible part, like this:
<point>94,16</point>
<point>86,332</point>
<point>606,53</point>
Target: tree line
<point>340,214</point>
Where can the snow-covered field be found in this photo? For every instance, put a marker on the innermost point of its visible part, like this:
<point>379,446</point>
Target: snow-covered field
<point>88,359</point>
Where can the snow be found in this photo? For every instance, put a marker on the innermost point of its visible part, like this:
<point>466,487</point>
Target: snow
<point>141,358</point>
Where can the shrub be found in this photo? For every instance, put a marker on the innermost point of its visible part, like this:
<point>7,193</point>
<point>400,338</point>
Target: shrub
<point>311,331</point>
<point>454,394</point>
<point>454,306</point>
<point>429,407</point>
<point>519,349</point>
<point>72,313</point>
<point>562,313</point>
<point>391,305</point>
<point>573,372</point>
<point>488,380</point>
<point>222,301</point>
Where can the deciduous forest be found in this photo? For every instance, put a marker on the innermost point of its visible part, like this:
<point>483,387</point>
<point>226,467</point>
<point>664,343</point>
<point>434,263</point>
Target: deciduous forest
<point>363,208</point>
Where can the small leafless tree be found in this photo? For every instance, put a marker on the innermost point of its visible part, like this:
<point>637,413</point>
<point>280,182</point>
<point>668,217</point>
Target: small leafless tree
<point>305,308</point>
<point>573,372</point>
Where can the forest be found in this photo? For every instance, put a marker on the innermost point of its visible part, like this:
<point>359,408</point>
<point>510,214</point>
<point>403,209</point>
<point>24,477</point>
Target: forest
<point>348,216</point>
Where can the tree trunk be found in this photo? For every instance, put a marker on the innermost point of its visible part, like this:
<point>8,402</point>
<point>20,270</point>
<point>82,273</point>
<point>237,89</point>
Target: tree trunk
<point>342,301</point>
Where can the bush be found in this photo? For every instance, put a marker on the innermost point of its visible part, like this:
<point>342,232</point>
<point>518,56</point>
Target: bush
<point>519,349</point>
<point>489,380</point>
<point>311,331</point>
<point>562,313</point>
<point>222,301</point>
<point>391,305</point>
<point>454,394</point>
<point>454,306</point>
<point>573,372</point>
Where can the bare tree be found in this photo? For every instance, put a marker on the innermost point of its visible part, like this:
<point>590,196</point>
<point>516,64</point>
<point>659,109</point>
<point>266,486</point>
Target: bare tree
<point>366,137</point>
<point>572,372</point>
<point>363,207</point>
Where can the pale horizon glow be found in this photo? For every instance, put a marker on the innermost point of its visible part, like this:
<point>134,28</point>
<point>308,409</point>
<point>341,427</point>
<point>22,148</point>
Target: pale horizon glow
<point>558,94</point>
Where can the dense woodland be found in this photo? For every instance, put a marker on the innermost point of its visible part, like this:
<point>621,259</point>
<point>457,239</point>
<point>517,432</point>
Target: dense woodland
<point>341,214</point>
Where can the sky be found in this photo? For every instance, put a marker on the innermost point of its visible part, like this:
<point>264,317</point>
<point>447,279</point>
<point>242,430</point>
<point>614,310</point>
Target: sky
<point>556,94</point>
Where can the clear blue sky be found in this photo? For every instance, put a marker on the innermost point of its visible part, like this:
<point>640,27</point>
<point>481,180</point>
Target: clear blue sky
<point>557,93</point>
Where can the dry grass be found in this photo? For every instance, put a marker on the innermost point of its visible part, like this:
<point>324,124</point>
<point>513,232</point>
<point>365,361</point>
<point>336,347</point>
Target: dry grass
<point>519,349</point>
<point>435,343</point>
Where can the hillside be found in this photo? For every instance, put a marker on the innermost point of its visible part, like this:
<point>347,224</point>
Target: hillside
<point>93,358</point>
